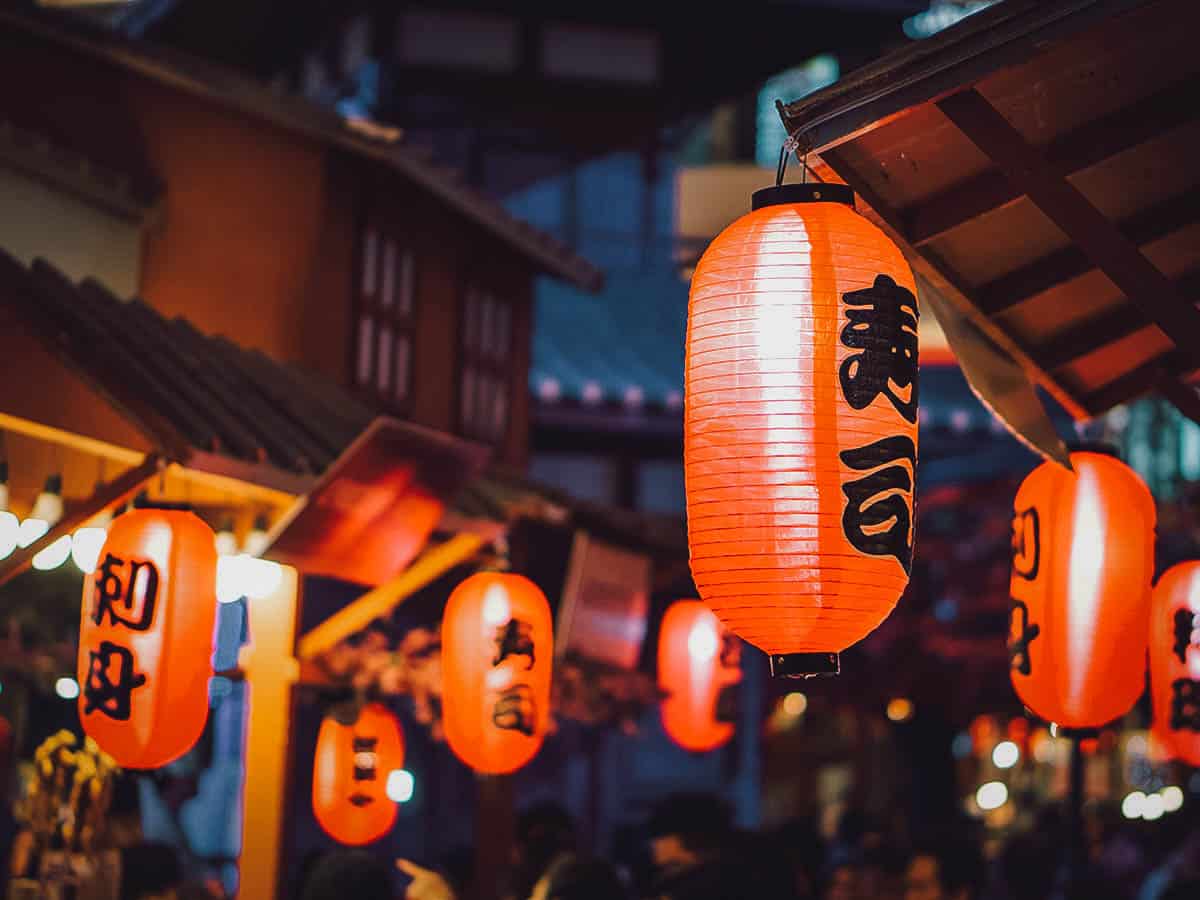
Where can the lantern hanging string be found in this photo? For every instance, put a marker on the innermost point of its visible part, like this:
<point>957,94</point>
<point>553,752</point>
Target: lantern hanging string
<point>792,145</point>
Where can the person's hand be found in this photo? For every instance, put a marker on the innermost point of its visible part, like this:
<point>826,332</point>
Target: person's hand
<point>426,885</point>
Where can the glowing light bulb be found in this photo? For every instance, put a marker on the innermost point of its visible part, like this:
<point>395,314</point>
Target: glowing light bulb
<point>10,533</point>
<point>1133,804</point>
<point>226,540</point>
<point>53,556</point>
<point>795,703</point>
<point>1172,797</point>
<point>67,688</point>
<point>256,539</point>
<point>899,709</point>
<point>86,544</point>
<point>31,530</point>
<point>400,785</point>
<point>1005,755</point>
<point>1153,807</point>
<point>992,795</point>
<point>244,576</point>
<point>49,504</point>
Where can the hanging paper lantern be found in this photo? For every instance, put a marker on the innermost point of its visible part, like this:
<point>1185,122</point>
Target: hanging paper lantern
<point>1175,661</point>
<point>800,440</point>
<point>497,654</point>
<point>350,774</point>
<point>699,664</point>
<point>146,637</point>
<point>1083,557</point>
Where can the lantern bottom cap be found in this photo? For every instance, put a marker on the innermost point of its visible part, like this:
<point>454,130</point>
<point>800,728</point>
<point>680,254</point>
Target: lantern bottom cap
<point>805,665</point>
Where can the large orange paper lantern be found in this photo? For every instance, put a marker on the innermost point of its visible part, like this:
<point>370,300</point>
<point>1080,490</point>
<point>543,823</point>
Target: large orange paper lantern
<point>350,775</point>
<point>1175,661</point>
<point>697,660</point>
<point>1083,558</point>
<point>800,439</point>
<point>146,637</point>
<point>497,655</point>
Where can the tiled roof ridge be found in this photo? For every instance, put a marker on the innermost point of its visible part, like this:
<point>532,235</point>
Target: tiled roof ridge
<point>298,115</point>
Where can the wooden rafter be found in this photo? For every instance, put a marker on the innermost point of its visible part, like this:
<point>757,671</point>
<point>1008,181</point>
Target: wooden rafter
<point>1107,327</point>
<point>1040,275</point>
<point>1184,396</point>
<point>1073,152</point>
<point>939,273</point>
<point>1098,238</point>
<point>105,496</point>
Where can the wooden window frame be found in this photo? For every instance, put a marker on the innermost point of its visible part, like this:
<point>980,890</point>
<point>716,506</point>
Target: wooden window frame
<point>486,354</point>
<point>386,291</point>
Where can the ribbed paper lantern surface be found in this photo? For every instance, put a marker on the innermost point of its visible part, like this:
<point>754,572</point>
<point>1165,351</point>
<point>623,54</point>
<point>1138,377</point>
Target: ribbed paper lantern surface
<point>698,660</point>
<point>801,426</point>
<point>1175,661</point>
<point>497,655</point>
<point>146,637</point>
<point>350,773</point>
<point>1083,558</point>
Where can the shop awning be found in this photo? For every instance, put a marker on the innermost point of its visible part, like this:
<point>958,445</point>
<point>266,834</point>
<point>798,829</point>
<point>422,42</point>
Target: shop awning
<point>1036,162</point>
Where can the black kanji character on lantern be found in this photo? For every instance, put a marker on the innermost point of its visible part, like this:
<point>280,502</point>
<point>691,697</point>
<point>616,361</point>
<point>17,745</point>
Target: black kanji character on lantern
<point>1026,544</point>
<point>727,704</point>
<point>1185,704</point>
<point>883,325</point>
<point>120,599</point>
<point>100,692</point>
<point>1185,626</point>
<point>1018,647</point>
<point>878,514</point>
<point>514,638</point>
<point>515,710</point>
<point>731,651</point>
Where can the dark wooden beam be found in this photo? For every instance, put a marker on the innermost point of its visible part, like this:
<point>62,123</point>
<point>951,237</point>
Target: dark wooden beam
<point>1107,327</point>
<point>1107,248</point>
<point>1184,396</point>
<point>1003,36</point>
<point>1075,151</point>
<point>1142,380</point>
<point>1070,262</point>
<point>103,497</point>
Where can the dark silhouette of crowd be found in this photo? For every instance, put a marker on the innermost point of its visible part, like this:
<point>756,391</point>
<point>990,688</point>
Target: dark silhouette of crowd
<point>690,849</point>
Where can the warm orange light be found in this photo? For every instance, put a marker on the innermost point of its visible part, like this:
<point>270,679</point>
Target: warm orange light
<point>1175,662</point>
<point>146,637</point>
<point>899,709</point>
<point>697,660</point>
<point>351,767</point>
<point>497,655</point>
<point>1083,557</point>
<point>801,426</point>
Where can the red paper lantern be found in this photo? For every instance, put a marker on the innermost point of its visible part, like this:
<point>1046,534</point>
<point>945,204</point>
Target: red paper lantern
<point>800,439</point>
<point>1083,557</point>
<point>497,655</point>
<point>146,637</point>
<point>1175,661</point>
<point>697,660</point>
<point>350,774</point>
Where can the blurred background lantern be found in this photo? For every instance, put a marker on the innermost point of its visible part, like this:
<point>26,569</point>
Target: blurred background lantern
<point>352,766</point>
<point>1175,661</point>
<point>801,425</point>
<point>1083,558</point>
<point>497,656</point>
<point>146,637</point>
<point>698,661</point>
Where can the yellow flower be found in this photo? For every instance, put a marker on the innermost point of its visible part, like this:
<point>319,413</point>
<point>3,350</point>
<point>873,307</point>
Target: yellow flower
<point>47,768</point>
<point>66,737</point>
<point>91,745</point>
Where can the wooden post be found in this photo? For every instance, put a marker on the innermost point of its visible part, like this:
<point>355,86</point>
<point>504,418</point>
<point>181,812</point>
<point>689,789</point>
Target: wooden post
<point>271,670</point>
<point>494,825</point>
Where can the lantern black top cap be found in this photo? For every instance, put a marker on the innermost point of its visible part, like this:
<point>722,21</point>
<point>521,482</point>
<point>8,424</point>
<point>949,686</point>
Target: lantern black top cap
<point>815,192</point>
